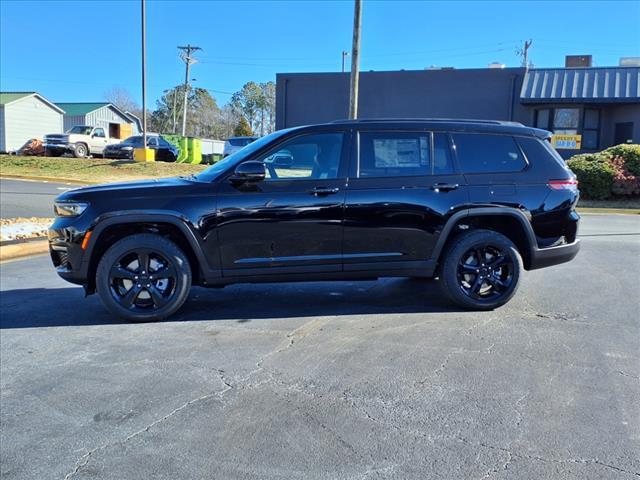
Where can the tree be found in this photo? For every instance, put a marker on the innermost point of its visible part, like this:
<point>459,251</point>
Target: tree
<point>122,99</point>
<point>203,113</point>
<point>246,103</point>
<point>243,129</point>
<point>268,104</point>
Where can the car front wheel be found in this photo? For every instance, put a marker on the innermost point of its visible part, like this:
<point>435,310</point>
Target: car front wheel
<point>481,270</point>
<point>143,278</point>
<point>80,150</point>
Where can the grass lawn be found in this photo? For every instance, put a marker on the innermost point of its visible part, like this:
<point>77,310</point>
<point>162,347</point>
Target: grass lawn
<point>95,170</point>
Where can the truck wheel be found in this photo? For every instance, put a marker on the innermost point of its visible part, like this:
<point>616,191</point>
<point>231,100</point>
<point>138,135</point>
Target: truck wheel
<point>481,270</point>
<point>143,278</point>
<point>80,151</point>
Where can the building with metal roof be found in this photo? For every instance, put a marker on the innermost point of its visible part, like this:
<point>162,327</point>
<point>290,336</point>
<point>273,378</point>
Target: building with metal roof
<point>99,114</point>
<point>25,116</point>
<point>597,107</point>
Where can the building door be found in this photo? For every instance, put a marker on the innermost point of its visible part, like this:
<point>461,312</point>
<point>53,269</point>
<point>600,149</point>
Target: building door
<point>623,133</point>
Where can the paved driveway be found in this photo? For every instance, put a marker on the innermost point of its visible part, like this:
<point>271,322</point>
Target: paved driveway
<point>331,380</point>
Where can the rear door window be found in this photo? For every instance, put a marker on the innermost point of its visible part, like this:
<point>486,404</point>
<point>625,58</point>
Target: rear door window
<point>487,153</point>
<point>394,154</point>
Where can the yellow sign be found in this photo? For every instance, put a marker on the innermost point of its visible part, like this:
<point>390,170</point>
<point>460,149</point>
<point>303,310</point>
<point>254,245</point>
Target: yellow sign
<point>566,142</point>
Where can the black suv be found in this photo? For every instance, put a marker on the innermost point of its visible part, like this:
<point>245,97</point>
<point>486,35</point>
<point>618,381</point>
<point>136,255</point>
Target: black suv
<point>471,202</point>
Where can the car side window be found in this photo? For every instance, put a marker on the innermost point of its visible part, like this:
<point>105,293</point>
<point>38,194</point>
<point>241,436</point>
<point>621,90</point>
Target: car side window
<point>442,162</point>
<point>394,154</point>
<point>98,132</point>
<point>487,153</point>
<point>152,142</point>
<point>315,156</point>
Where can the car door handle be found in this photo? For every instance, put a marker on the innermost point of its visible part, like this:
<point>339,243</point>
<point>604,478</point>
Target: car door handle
<point>444,187</point>
<point>320,191</point>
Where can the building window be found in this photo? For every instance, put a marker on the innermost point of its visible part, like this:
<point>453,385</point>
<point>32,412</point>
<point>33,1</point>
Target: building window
<point>542,118</point>
<point>590,129</point>
<point>566,120</point>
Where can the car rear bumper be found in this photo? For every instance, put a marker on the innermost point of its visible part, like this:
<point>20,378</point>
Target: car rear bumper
<point>545,257</point>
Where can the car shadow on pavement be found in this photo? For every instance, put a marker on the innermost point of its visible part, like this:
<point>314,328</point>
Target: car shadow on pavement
<point>56,307</point>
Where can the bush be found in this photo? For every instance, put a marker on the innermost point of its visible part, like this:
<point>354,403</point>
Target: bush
<point>595,175</point>
<point>630,154</point>
<point>612,172</point>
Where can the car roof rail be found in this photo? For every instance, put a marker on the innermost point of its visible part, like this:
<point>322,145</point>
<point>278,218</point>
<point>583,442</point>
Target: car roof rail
<point>432,120</point>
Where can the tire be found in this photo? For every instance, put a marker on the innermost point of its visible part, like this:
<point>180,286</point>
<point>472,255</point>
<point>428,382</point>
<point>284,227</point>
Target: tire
<point>164,282</point>
<point>52,153</point>
<point>481,270</point>
<point>80,150</point>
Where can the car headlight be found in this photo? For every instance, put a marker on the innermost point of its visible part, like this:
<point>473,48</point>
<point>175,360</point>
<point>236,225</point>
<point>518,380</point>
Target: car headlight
<point>127,148</point>
<point>69,209</point>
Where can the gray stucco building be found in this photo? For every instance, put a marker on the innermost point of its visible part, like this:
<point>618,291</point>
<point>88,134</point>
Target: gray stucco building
<point>600,104</point>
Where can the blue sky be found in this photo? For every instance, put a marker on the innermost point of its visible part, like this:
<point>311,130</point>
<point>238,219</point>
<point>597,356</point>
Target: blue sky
<point>75,51</point>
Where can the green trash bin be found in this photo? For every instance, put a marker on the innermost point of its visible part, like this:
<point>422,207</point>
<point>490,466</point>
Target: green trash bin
<point>194,155</point>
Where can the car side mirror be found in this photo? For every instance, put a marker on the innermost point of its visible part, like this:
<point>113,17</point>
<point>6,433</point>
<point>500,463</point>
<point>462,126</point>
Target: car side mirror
<point>251,171</point>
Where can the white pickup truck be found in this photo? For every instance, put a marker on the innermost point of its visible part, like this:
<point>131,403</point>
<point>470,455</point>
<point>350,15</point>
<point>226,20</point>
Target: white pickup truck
<point>81,141</point>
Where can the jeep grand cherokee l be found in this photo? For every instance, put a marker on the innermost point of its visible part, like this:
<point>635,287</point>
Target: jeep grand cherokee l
<point>473,203</point>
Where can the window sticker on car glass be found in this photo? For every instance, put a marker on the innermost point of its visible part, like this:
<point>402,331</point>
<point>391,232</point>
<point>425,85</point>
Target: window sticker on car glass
<point>400,152</point>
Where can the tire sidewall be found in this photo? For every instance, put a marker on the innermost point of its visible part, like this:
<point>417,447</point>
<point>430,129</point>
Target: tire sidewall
<point>152,242</point>
<point>464,243</point>
<point>78,150</point>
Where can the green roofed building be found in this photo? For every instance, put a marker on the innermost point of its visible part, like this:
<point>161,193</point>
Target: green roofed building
<point>99,114</point>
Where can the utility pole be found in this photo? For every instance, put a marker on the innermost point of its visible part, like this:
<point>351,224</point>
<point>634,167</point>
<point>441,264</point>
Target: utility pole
<point>144,74</point>
<point>355,61</point>
<point>188,60</point>
<point>345,54</point>
<point>175,94</point>
<point>524,53</point>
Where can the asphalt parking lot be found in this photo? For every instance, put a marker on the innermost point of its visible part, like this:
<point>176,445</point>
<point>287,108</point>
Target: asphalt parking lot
<point>331,380</point>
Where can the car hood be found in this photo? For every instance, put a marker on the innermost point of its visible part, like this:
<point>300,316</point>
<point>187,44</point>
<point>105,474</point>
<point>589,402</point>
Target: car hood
<point>138,188</point>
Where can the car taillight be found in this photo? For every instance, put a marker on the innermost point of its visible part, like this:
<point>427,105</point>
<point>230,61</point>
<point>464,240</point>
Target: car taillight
<point>570,184</point>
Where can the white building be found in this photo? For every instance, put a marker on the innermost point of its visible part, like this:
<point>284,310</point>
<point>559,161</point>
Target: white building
<point>26,115</point>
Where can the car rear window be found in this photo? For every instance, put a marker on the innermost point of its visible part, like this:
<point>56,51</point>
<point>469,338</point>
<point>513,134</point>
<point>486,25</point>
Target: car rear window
<point>487,153</point>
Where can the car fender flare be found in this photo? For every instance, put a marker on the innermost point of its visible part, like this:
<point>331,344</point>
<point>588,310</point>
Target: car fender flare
<point>523,217</point>
<point>134,216</point>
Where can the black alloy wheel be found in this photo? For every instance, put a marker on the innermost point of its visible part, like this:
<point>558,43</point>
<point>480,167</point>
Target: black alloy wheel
<point>485,272</point>
<point>143,277</point>
<point>480,269</point>
<point>141,280</point>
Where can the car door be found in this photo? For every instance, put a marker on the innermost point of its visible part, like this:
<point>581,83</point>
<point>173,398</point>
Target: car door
<point>291,222</point>
<point>402,191</point>
<point>98,140</point>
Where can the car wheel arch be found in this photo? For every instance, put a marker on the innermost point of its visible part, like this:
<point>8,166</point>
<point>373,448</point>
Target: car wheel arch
<point>108,231</point>
<point>511,222</point>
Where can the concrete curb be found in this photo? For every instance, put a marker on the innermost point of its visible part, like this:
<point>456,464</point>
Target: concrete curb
<point>21,250</point>
<point>607,211</point>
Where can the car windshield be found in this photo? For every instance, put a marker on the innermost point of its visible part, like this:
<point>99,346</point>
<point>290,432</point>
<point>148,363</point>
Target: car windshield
<point>216,169</point>
<point>81,130</point>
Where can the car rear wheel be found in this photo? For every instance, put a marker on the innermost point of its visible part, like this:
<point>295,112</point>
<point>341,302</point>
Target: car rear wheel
<point>481,270</point>
<point>143,278</point>
<point>80,151</point>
